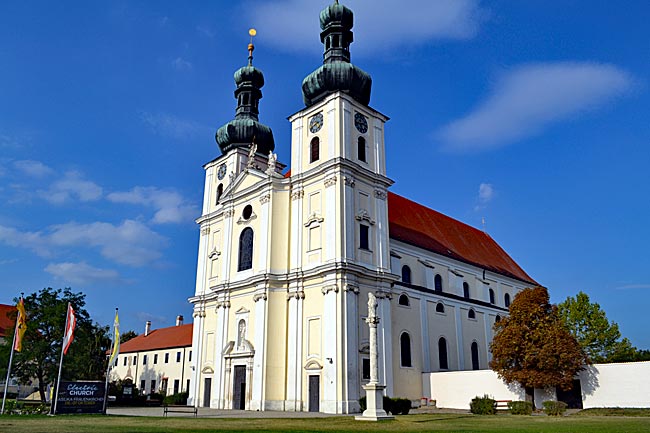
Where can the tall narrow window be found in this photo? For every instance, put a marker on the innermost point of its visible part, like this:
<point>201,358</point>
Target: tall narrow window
<point>491,296</point>
<point>314,150</point>
<point>361,149</point>
<point>475,364</point>
<point>471,314</point>
<point>406,274</point>
<point>437,282</point>
<point>465,290</point>
<point>364,242</point>
<point>245,249</point>
<point>405,350</point>
<point>442,353</point>
<point>219,193</point>
<point>506,300</point>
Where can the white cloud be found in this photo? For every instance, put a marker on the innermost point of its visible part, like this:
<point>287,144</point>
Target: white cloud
<point>130,243</point>
<point>530,98</point>
<point>171,126</point>
<point>155,320</point>
<point>485,195</point>
<point>72,186</point>
<point>33,168</point>
<point>81,273</point>
<point>293,24</point>
<point>181,64</point>
<point>206,31</point>
<point>169,205</point>
<point>634,287</point>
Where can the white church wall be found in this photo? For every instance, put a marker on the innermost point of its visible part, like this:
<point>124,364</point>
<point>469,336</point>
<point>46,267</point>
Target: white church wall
<point>616,385</point>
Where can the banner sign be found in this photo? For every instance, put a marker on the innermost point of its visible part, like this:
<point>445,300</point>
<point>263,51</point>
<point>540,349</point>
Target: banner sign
<point>81,397</point>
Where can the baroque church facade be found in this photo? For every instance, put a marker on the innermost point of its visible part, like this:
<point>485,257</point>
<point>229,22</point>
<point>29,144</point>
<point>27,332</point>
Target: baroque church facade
<point>286,262</point>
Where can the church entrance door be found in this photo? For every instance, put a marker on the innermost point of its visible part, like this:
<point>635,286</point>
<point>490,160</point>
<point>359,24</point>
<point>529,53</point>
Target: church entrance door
<point>239,388</point>
<point>207,388</point>
<point>314,393</point>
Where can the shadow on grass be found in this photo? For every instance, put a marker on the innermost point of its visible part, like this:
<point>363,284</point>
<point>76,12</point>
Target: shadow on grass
<point>448,418</point>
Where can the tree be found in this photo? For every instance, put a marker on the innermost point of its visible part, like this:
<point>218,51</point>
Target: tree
<point>39,359</point>
<point>600,338</point>
<point>532,346</point>
<point>127,336</point>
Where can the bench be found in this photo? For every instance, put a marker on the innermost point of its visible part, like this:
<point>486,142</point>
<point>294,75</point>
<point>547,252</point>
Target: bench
<point>180,409</point>
<point>501,404</point>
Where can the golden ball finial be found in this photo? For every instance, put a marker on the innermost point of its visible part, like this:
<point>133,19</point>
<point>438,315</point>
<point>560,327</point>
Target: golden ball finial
<point>252,32</point>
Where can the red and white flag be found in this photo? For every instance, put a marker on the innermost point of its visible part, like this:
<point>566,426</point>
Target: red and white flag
<point>70,323</point>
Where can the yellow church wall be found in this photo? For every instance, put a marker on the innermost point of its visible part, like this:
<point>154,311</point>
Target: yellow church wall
<point>276,347</point>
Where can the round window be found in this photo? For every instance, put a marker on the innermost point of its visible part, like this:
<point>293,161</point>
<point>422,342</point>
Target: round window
<point>248,211</point>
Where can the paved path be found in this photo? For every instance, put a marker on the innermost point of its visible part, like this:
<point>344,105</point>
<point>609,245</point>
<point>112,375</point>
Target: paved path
<point>205,412</point>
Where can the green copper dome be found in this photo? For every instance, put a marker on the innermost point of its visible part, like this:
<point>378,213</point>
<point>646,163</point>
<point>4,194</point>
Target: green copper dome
<point>245,127</point>
<point>337,73</point>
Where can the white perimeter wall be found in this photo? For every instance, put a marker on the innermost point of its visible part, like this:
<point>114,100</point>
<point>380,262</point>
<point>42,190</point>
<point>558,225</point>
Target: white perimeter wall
<point>603,385</point>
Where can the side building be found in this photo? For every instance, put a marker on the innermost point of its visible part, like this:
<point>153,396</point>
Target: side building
<point>158,360</point>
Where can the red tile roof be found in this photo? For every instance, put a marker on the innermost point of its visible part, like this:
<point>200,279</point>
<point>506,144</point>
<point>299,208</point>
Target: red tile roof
<point>7,321</point>
<point>418,225</point>
<point>163,338</point>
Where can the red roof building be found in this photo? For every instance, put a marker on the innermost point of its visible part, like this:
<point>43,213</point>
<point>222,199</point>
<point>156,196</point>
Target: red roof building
<point>158,339</point>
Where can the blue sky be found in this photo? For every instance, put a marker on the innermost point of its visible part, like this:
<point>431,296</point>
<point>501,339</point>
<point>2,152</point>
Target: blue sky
<point>533,115</point>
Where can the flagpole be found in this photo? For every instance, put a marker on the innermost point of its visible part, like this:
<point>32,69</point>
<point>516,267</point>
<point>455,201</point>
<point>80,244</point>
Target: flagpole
<point>58,380</point>
<point>11,359</point>
<point>108,367</point>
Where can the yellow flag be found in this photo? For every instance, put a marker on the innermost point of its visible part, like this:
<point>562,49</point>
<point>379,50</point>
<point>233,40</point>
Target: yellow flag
<point>116,340</point>
<point>21,325</point>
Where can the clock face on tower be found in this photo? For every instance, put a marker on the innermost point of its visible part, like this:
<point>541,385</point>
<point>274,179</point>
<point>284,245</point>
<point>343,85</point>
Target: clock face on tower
<point>315,123</point>
<point>222,171</point>
<point>361,123</point>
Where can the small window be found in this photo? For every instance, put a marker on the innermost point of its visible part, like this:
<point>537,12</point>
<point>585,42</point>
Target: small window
<point>178,356</point>
<point>442,354</point>
<point>153,385</point>
<point>361,149</point>
<point>497,319</point>
<point>465,290</point>
<point>406,274</point>
<point>248,211</point>
<point>364,242</point>
<point>135,359</point>
<point>506,300</point>
<point>190,357</point>
<point>143,384</point>
<point>144,360</point>
<point>365,369</point>
<point>491,296</point>
<point>437,282</point>
<point>166,358</point>
<point>188,386</point>
<point>403,300</point>
<point>475,363</point>
<point>405,350</point>
<point>471,314</point>
<point>440,307</point>
<point>219,193</point>
<point>155,359</point>
<point>314,148</point>
<point>125,358</point>
<point>245,249</point>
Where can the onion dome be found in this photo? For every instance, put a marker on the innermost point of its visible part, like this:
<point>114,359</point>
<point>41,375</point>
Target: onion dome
<point>245,128</point>
<point>336,73</point>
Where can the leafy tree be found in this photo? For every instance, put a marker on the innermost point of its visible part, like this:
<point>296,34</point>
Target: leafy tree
<point>533,347</point>
<point>127,336</point>
<point>39,359</point>
<point>600,338</point>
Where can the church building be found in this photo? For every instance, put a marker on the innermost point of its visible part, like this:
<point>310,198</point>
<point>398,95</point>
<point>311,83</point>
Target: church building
<point>286,262</point>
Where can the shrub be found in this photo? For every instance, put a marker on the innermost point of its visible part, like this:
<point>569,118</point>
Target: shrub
<point>388,404</point>
<point>520,407</point>
<point>179,398</point>
<point>554,408</point>
<point>362,403</point>
<point>483,405</point>
<point>400,406</point>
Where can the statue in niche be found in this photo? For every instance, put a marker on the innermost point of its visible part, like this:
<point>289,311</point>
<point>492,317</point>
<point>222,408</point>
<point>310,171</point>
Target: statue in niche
<point>241,334</point>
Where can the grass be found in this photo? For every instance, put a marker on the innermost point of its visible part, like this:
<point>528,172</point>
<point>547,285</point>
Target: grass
<point>615,411</point>
<point>407,423</point>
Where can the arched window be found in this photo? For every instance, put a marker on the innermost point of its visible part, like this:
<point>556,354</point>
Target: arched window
<point>219,192</point>
<point>327,43</point>
<point>471,314</point>
<point>497,319</point>
<point>403,300</point>
<point>241,333</point>
<point>465,290</point>
<point>405,350</point>
<point>506,299</point>
<point>475,364</point>
<point>314,150</point>
<point>245,249</point>
<point>440,307</point>
<point>491,296</point>
<point>442,353</point>
<point>406,274</point>
<point>437,283</point>
<point>361,149</point>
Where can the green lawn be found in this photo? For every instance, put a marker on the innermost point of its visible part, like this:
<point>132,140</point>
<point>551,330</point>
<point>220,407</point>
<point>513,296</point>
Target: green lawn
<point>407,423</point>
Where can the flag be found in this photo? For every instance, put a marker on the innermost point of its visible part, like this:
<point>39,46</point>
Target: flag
<point>116,339</point>
<point>21,325</point>
<point>70,323</point>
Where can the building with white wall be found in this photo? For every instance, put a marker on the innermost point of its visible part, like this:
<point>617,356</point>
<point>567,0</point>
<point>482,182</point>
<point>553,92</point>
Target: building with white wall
<point>286,262</point>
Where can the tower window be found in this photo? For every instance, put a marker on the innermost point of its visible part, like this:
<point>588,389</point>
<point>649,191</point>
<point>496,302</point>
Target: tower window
<point>440,307</point>
<point>491,296</point>
<point>437,283</point>
<point>475,363</point>
<point>442,353</point>
<point>405,350</point>
<point>465,290</point>
<point>406,274</point>
<point>403,300</point>
<point>506,299</point>
<point>314,150</point>
<point>361,149</point>
<point>471,314</point>
<point>246,100</point>
<point>219,192</point>
<point>364,242</point>
<point>497,319</point>
<point>245,249</point>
